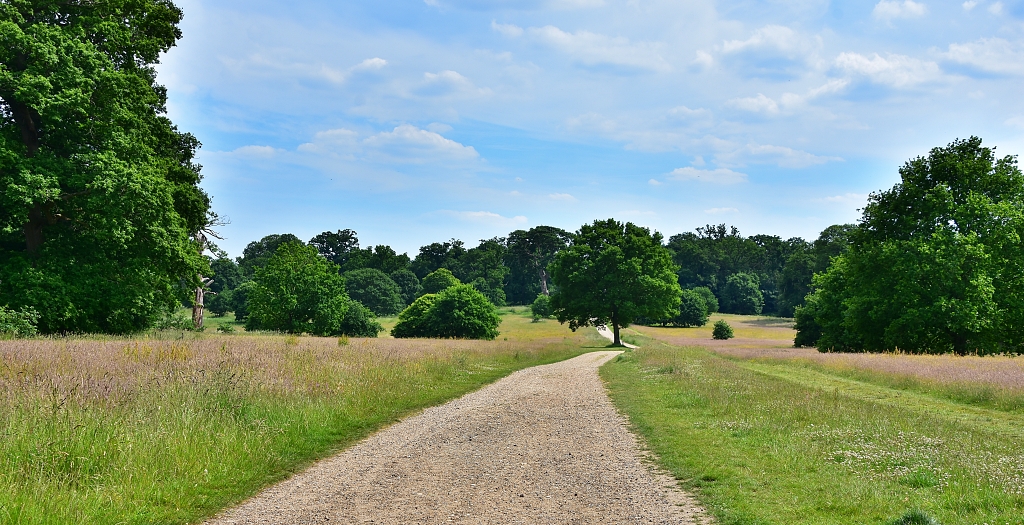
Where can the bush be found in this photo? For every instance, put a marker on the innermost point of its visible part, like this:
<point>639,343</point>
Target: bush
<point>412,320</point>
<point>359,322</point>
<point>692,310</point>
<point>374,290</point>
<point>298,291</point>
<point>914,517</point>
<point>18,323</point>
<point>240,300</point>
<point>709,298</point>
<point>408,283</point>
<point>742,295</point>
<point>438,281</point>
<point>457,312</point>
<point>219,304</point>
<point>722,330</point>
<point>541,307</point>
<point>226,328</point>
<point>808,331</point>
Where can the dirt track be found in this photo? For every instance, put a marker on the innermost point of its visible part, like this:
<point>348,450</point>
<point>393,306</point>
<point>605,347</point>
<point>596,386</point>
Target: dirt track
<point>544,445</point>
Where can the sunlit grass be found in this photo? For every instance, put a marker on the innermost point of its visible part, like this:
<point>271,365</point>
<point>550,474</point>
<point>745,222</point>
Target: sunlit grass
<point>744,327</point>
<point>171,427</point>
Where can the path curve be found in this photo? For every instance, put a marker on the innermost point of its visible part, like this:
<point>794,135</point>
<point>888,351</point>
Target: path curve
<point>543,445</point>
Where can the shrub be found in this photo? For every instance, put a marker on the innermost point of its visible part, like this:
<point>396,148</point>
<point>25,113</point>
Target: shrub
<point>408,283</point>
<point>226,328</point>
<point>692,310</point>
<point>412,320</point>
<point>808,331</point>
<point>709,298</point>
<point>541,306</point>
<point>374,290</point>
<point>742,295</point>
<point>359,322</point>
<point>18,323</point>
<point>722,330</point>
<point>914,517</point>
<point>438,281</point>
<point>458,312</point>
<point>298,291</point>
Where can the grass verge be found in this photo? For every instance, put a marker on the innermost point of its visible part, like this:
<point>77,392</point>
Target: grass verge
<point>169,429</point>
<point>781,444</point>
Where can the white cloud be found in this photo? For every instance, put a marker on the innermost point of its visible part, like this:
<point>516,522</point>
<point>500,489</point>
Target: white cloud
<point>596,49</point>
<point>257,61</point>
<point>255,152</point>
<point>486,217</point>
<point>509,30</point>
<point>758,104</point>
<point>405,143</point>
<point>889,10</point>
<point>592,122</point>
<point>370,64</point>
<point>686,114</point>
<point>774,37</point>
<point>717,176</point>
<point>994,55</point>
<point>969,4</point>
<point>892,70</point>
<point>704,59</point>
<point>717,211</point>
<point>654,182</point>
<point>996,8</point>
<point>786,157</point>
<point>565,197</point>
<point>846,197</point>
<point>447,83</point>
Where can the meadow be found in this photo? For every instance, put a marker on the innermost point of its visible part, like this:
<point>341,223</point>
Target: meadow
<point>172,426</point>
<point>766,434</point>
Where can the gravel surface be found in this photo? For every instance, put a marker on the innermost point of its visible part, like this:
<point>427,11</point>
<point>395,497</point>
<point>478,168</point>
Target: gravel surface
<point>543,445</point>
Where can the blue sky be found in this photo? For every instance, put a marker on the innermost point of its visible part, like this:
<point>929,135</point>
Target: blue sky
<point>414,121</point>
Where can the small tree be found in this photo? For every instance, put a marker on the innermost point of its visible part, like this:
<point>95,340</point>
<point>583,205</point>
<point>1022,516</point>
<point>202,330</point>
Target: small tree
<point>742,295</point>
<point>240,300</point>
<point>457,312</point>
<point>219,304</point>
<point>438,281</point>
<point>359,321</point>
<point>541,307</point>
<point>412,322</point>
<point>710,301</point>
<point>374,290</point>
<point>613,273</point>
<point>408,283</point>
<point>692,310</point>
<point>298,291</point>
<point>722,330</point>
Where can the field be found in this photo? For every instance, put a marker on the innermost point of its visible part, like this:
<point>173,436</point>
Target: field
<point>766,434</point>
<point>171,427</point>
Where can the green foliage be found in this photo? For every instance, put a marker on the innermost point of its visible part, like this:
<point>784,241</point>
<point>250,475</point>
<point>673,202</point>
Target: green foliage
<point>710,301</point>
<point>257,254</point>
<point>460,312</point>
<point>359,321</point>
<point>226,329</point>
<point>100,190</point>
<point>374,290</point>
<point>240,300</point>
<point>408,283</point>
<point>225,273</point>
<point>914,517</point>
<point>541,307</point>
<point>935,262</point>
<point>438,281</point>
<point>298,291</point>
<point>808,331</point>
<point>18,323</point>
<point>693,310</point>
<point>613,273</point>
<point>742,295</point>
<point>437,255</point>
<point>336,247</point>
<point>412,322</point>
<point>527,257</point>
<point>722,330</point>
<point>220,303</point>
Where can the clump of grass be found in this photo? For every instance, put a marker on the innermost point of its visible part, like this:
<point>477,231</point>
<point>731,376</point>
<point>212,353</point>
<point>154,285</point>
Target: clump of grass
<point>914,517</point>
<point>172,427</point>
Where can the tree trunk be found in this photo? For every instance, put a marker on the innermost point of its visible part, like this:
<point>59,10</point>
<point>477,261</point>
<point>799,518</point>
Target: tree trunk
<point>34,230</point>
<point>543,281</point>
<point>615,327</point>
<point>197,306</point>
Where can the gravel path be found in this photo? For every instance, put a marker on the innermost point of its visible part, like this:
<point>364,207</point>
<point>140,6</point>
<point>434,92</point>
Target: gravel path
<point>543,445</point>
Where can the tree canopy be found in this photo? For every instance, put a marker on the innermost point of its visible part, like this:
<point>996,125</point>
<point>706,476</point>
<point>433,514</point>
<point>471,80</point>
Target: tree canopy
<point>613,273</point>
<point>459,311</point>
<point>374,290</point>
<point>935,264</point>
<point>101,191</point>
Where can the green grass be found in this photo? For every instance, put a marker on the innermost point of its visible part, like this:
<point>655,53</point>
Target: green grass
<point>164,430</point>
<point>780,443</point>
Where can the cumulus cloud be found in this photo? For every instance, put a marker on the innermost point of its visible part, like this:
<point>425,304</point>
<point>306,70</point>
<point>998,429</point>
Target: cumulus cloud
<point>788,101</point>
<point>686,114</point>
<point>772,51</point>
<point>889,10</point>
<point>510,30</point>
<point>716,176</point>
<point>448,82</point>
<point>595,49</point>
<point>969,4</point>
<point>718,211</point>
<point>893,70</point>
<point>992,55</point>
<point>654,182</point>
<point>779,38</point>
<point>703,59</point>
<point>758,104</point>
<point>405,143</point>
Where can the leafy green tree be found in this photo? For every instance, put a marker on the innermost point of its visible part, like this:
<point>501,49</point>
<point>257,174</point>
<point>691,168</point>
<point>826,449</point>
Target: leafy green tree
<point>359,321</point>
<point>437,255</point>
<point>742,295</point>
<point>935,263</point>
<point>337,246</point>
<point>796,282</point>
<point>219,303</point>
<point>298,291</point>
<point>18,323</point>
<point>484,268</point>
<point>693,310</point>
<point>257,253</point>
<point>239,301</point>
<point>541,307</point>
<point>462,312</point>
<point>408,283</point>
<point>438,281</point>
<point>225,274</point>
<point>375,290</point>
<point>528,255</point>
<point>721,330</point>
<point>613,273</point>
<point>100,190</point>
<point>710,301</point>
<point>412,322</point>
